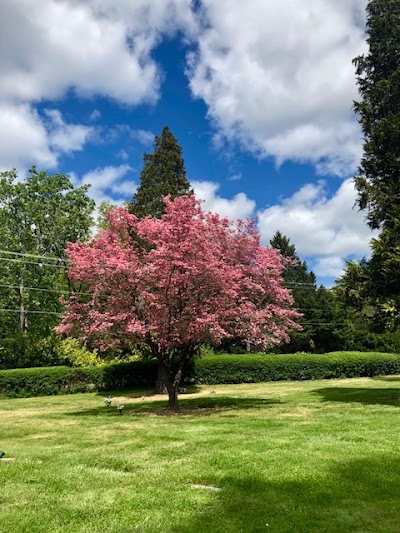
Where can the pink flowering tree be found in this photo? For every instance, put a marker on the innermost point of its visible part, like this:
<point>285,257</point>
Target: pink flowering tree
<point>174,283</point>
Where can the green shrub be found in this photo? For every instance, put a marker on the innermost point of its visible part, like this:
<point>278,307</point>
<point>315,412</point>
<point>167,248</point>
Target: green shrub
<point>75,354</point>
<point>210,370</point>
<point>257,368</point>
<point>27,382</point>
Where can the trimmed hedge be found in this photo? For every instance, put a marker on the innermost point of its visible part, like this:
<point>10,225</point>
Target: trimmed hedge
<point>210,370</point>
<point>25,382</point>
<point>258,368</point>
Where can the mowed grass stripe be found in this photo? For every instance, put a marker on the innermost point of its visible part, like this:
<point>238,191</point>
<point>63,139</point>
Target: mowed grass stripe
<point>287,456</point>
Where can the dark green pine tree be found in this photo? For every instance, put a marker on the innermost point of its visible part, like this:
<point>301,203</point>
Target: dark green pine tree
<point>163,174</point>
<point>378,179</point>
<point>324,326</point>
<point>378,78</point>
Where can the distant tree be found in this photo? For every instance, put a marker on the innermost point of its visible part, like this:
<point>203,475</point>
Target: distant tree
<point>163,175</point>
<point>195,279</point>
<point>38,217</point>
<point>104,208</point>
<point>303,287</point>
<point>325,326</point>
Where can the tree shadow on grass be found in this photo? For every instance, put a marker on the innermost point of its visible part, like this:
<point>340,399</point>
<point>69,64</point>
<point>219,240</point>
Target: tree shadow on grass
<point>187,406</point>
<point>352,496</point>
<point>386,378</point>
<point>360,395</point>
<point>143,393</point>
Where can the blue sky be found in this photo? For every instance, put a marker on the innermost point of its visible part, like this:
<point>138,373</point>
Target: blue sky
<point>259,96</point>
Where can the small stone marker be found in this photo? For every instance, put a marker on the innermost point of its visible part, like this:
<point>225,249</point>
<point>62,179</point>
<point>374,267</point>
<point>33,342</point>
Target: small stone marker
<point>205,487</point>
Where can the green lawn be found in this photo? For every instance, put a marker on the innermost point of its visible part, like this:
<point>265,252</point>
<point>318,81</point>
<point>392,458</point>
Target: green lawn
<point>318,456</point>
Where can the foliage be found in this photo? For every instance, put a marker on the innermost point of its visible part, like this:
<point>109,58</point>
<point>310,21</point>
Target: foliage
<point>163,174</point>
<point>378,77</point>
<point>25,382</point>
<point>175,283</point>
<point>104,208</point>
<point>38,217</point>
<point>378,179</point>
<point>258,368</point>
<point>325,325</point>
<point>25,350</point>
<point>76,354</point>
<point>211,370</point>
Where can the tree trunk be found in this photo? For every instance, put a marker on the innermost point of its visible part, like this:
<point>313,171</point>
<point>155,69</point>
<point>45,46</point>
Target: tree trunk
<point>162,379</point>
<point>172,397</point>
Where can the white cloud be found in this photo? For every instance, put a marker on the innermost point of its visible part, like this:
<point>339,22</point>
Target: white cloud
<point>278,77</point>
<point>93,47</point>
<point>26,139</point>
<point>143,136</point>
<point>23,138</point>
<point>107,183</point>
<point>89,47</point>
<point>65,137</point>
<point>240,206</point>
<point>324,228</point>
<point>95,115</point>
<point>331,267</point>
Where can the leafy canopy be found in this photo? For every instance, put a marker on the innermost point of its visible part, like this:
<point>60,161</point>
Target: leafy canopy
<point>190,278</point>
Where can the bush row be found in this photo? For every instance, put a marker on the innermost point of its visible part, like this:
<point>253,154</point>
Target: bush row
<point>25,382</point>
<point>257,368</point>
<point>211,370</point>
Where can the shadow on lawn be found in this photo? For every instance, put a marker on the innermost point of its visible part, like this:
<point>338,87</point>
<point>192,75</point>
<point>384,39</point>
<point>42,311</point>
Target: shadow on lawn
<point>359,395</point>
<point>187,406</point>
<point>386,378</point>
<point>358,496</point>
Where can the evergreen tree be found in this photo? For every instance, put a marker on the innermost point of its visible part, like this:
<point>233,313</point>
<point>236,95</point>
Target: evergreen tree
<point>378,78</point>
<point>378,180</point>
<point>324,325</point>
<point>163,174</point>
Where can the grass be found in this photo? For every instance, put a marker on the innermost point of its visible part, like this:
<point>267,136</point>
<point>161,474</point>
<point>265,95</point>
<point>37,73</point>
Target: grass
<point>320,456</point>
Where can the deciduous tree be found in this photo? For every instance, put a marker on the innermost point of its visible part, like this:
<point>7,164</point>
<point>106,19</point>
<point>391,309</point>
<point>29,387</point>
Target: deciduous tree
<point>38,217</point>
<point>190,278</point>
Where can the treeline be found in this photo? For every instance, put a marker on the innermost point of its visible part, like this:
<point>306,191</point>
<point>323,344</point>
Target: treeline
<point>40,215</point>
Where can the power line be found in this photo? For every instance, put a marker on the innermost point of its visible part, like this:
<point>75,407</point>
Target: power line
<point>323,323</point>
<point>39,263</point>
<point>45,290</point>
<point>37,256</point>
<point>26,311</point>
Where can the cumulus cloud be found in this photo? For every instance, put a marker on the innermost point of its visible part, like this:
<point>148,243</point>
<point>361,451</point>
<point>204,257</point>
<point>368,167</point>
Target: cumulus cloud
<point>328,267</point>
<point>324,228</point>
<point>240,206</point>
<point>65,137</point>
<point>26,139</point>
<point>91,47</point>
<point>108,183</point>
<point>278,77</point>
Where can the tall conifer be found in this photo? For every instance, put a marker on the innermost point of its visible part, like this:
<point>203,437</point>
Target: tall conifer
<point>163,174</point>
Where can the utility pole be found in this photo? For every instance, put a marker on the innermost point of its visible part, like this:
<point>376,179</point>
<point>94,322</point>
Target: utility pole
<point>23,321</point>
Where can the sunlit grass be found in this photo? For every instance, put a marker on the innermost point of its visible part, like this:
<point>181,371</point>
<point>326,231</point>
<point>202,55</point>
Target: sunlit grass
<point>289,456</point>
